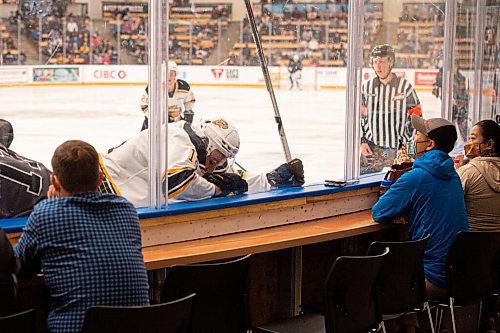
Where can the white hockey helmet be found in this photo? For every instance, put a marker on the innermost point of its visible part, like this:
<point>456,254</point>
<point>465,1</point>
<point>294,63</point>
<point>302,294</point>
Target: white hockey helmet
<point>172,66</point>
<point>221,134</point>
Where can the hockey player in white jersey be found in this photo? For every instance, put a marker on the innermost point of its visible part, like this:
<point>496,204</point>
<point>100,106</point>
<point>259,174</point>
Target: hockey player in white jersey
<point>181,98</point>
<point>198,165</point>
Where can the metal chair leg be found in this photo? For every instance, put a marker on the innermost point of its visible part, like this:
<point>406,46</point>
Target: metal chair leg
<point>383,327</point>
<point>426,305</point>
<point>439,318</point>
<point>480,312</point>
<point>453,315</point>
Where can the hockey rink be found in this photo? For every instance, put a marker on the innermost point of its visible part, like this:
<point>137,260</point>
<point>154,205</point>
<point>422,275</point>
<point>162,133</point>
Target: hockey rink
<point>105,116</point>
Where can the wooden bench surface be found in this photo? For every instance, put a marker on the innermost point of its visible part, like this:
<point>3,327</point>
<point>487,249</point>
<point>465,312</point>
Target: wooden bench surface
<point>258,241</point>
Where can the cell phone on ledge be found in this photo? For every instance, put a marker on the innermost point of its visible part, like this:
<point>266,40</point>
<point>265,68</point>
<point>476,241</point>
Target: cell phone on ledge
<point>340,182</point>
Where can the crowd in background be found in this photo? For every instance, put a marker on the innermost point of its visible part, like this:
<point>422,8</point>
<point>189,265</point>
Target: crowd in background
<point>315,32</point>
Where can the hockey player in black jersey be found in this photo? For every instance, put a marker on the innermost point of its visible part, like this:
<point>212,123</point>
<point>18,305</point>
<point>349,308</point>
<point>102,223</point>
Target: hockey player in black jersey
<point>295,70</point>
<point>181,99</point>
<point>23,182</point>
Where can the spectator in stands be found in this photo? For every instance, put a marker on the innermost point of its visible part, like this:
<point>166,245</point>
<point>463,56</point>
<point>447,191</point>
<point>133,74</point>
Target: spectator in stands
<point>9,267</point>
<point>12,20</point>
<point>22,58</point>
<point>84,50</point>
<point>297,14</point>
<point>392,98</point>
<point>113,55</point>
<point>431,197</point>
<point>87,243</point>
<point>71,26</point>
<point>287,12</point>
<point>95,41</point>
<point>405,14</point>
<point>19,193</point>
<point>313,45</point>
<point>9,58</point>
<point>491,50</point>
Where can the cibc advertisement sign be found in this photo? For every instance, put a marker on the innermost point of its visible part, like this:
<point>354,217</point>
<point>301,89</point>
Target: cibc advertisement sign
<point>115,74</point>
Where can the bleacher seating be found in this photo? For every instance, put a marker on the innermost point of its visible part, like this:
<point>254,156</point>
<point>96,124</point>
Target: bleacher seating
<point>8,41</point>
<point>316,32</point>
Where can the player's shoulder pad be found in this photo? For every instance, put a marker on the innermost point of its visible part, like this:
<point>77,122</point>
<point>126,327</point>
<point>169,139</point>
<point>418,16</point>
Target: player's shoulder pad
<point>182,85</point>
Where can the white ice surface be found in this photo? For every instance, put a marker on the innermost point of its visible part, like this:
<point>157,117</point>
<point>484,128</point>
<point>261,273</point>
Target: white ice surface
<point>105,116</point>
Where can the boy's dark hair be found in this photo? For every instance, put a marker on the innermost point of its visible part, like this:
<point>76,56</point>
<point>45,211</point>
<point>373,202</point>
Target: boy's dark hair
<point>444,137</point>
<point>76,165</point>
<point>490,130</point>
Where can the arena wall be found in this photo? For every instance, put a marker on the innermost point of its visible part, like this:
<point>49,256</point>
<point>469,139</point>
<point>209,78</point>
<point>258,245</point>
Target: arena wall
<point>232,76</point>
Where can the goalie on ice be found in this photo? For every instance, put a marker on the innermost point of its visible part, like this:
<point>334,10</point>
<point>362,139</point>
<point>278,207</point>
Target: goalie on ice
<point>198,167</point>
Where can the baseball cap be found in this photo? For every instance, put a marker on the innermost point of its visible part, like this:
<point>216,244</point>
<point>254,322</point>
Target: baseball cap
<point>425,126</point>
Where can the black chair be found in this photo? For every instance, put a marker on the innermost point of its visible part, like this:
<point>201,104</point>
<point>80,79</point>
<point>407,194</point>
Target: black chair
<point>472,270</point>
<point>221,302</point>
<point>8,293</point>
<point>171,317</point>
<point>9,265</point>
<point>22,322</point>
<point>351,289</point>
<point>402,283</point>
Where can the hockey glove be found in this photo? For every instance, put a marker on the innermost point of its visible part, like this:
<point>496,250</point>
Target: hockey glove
<point>229,183</point>
<point>287,175</point>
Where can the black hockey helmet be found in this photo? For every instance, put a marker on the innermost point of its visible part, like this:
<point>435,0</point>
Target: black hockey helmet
<point>6,133</point>
<point>384,50</point>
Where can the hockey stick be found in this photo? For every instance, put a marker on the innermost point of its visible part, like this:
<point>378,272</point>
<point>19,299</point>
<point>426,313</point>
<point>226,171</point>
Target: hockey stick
<point>267,78</point>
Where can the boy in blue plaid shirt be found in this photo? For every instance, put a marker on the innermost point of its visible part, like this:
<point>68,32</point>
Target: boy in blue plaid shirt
<point>87,244</point>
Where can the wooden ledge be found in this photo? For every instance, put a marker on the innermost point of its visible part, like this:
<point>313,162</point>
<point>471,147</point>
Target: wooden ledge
<point>263,240</point>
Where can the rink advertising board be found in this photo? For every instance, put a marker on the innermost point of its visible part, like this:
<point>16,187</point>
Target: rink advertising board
<point>230,76</point>
<point>425,78</point>
<point>115,74</point>
<point>56,74</point>
<point>14,74</point>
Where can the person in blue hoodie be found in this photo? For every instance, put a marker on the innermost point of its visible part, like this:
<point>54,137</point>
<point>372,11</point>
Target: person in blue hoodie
<point>431,197</point>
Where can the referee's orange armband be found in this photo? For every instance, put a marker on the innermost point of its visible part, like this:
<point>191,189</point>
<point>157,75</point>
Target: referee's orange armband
<point>417,109</point>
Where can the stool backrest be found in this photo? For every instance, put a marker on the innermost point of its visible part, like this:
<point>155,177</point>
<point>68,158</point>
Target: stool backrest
<point>351,294</point>
<point>171,317</point>
<point>22,322</point>
<point>220,304</point>
<point>402,279</point>
<point>473,266</point>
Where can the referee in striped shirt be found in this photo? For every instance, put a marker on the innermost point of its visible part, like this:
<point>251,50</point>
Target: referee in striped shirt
<point>387,105</point>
